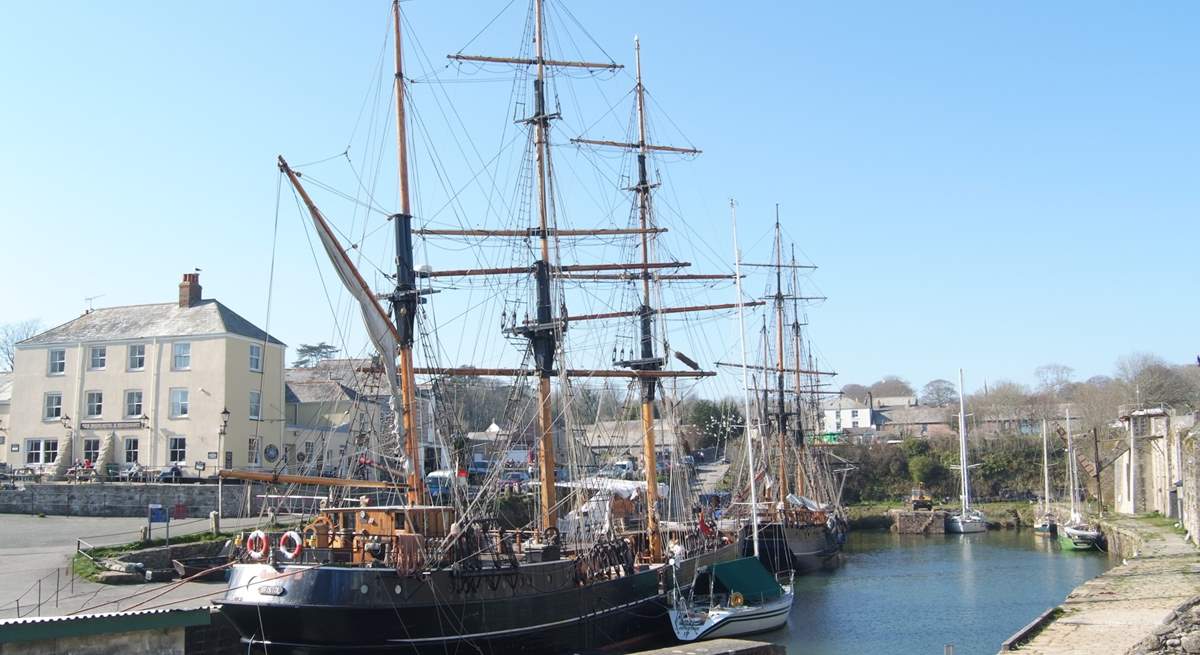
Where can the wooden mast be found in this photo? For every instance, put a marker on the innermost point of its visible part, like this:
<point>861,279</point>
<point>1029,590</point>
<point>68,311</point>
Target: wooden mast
<point>544,339</point>
<point>781,408</point>
<point>796,347</point>
<point>404,299</point>
<point>649,385</point>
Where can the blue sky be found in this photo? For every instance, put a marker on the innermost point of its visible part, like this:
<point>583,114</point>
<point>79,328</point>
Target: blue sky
<point>988,186</point>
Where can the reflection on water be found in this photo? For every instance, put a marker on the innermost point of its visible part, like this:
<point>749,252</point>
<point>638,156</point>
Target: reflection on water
<point>914,594</point>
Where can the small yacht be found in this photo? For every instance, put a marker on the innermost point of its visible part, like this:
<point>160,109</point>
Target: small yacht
<point>734,598</point>
<point>967,519</point>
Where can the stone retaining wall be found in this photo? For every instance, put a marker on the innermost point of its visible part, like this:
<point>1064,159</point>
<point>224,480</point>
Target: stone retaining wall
<point>129,499</point>
<point>918,522</point>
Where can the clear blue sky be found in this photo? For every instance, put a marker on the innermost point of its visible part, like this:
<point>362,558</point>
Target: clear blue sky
<point>982,185</point>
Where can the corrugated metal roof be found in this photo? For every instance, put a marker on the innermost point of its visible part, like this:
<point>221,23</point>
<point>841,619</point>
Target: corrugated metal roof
<point>208,317</point>
<point>56,627</point>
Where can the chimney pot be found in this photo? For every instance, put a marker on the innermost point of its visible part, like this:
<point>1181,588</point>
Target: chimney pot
<point>189,290</point>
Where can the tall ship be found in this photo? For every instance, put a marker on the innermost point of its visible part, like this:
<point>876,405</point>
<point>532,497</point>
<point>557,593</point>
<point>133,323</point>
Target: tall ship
<point>385,564</point>
<point>801,523</point>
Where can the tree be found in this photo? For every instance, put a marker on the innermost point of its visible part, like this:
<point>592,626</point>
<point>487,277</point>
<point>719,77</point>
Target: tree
<point>309,355</point>
<point>892,385</point>
<point>10,335</point>
<point>1054,378</point>
<point>716,419</point>
<point>855,392</point>
<point>926,469</point>
<point>939,393</point>
<point>1150,379</point>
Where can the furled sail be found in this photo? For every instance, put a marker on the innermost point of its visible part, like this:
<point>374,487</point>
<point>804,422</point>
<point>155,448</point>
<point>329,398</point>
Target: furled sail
<point>379,327</point>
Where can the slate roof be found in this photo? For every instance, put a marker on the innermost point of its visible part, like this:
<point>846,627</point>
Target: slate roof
<point>208,317</point>
<point>628,434</point>
<point>914,415</point>
<point>842,402</point>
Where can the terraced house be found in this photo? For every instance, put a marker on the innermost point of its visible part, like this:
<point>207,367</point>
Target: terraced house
<point>188,382</point>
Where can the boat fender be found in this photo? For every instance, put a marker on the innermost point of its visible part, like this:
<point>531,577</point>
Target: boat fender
<point>256,544</point>
<point>290,552</point>
<point>736,599</point>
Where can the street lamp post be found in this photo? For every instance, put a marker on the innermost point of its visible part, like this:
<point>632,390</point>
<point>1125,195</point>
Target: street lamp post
<point>221,439</point>
<point>66,423</point>
<point>221,460</point>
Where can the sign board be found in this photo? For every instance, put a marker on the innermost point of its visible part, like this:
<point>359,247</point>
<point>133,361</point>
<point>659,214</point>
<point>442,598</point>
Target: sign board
<point>158,514</point>
<point>110,425</point>
<point>212,454</point>
<point>200,465</point>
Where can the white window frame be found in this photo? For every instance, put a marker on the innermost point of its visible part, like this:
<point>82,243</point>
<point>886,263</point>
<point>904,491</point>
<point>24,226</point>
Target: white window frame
<point>256,354</point>
<point>172,448</point>
<point>62,352</point>
<point>46,406</point>
<point>182,349</point>
<point>140,406</point>
<point>97,363</point>
<point>185,406</point>
<point>129,357</point>
<point>252,455</point>
<point>95,452</point>
<point>40,448</point>
<point>128,441</point>
<point>87,404</point>
<point>255,406</point>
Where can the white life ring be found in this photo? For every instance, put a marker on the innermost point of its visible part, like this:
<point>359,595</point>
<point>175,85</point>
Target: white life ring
<point>291,553</point>
<point>256,544</point>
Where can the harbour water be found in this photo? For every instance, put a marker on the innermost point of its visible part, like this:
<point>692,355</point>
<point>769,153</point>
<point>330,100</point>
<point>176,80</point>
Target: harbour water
<point>903,594</point>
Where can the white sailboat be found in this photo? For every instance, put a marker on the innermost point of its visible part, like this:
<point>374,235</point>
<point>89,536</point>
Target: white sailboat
<point>741,597</point>
<point>1076,534</point>
<point>1047,522</point>
<point>967,519</point>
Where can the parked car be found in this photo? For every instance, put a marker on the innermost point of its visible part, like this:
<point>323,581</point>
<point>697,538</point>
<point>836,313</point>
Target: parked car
<point>515,480</point>
<point>441,485</point>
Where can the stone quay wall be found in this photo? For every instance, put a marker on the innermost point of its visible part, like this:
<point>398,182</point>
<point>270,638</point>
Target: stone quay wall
<point>918,522</point>
<point>131,499</point>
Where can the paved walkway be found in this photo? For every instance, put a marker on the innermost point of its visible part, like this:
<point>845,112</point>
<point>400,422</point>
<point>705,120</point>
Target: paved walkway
<point>708,475</point>
<point>40,549</point>
<point>1115,611</point>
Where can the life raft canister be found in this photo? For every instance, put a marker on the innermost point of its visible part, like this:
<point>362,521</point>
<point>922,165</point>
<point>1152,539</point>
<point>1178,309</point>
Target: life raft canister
<point>290,552</point>
<point>256,544</point>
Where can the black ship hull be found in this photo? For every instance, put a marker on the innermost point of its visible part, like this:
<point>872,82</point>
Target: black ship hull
<point>534,608</point>
<point>801,548</point>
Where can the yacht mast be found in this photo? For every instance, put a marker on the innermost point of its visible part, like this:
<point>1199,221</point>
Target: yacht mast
<point>962,444</point>
<point>1072,483</point>
<point>737,262</point>
<point>404,298</point>
<point>1045,470</point>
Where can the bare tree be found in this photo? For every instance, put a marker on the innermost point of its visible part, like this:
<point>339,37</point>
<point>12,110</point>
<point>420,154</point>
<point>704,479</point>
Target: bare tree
<point>10,335</point>
<point>1054,378</point>
<point>1150,379</point>
<point>938,393</point>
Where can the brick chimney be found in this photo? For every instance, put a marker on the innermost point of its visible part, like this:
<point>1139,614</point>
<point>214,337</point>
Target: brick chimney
<point>189,290</point>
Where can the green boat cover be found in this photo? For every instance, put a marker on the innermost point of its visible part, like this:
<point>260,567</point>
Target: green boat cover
<point>748,577</point>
